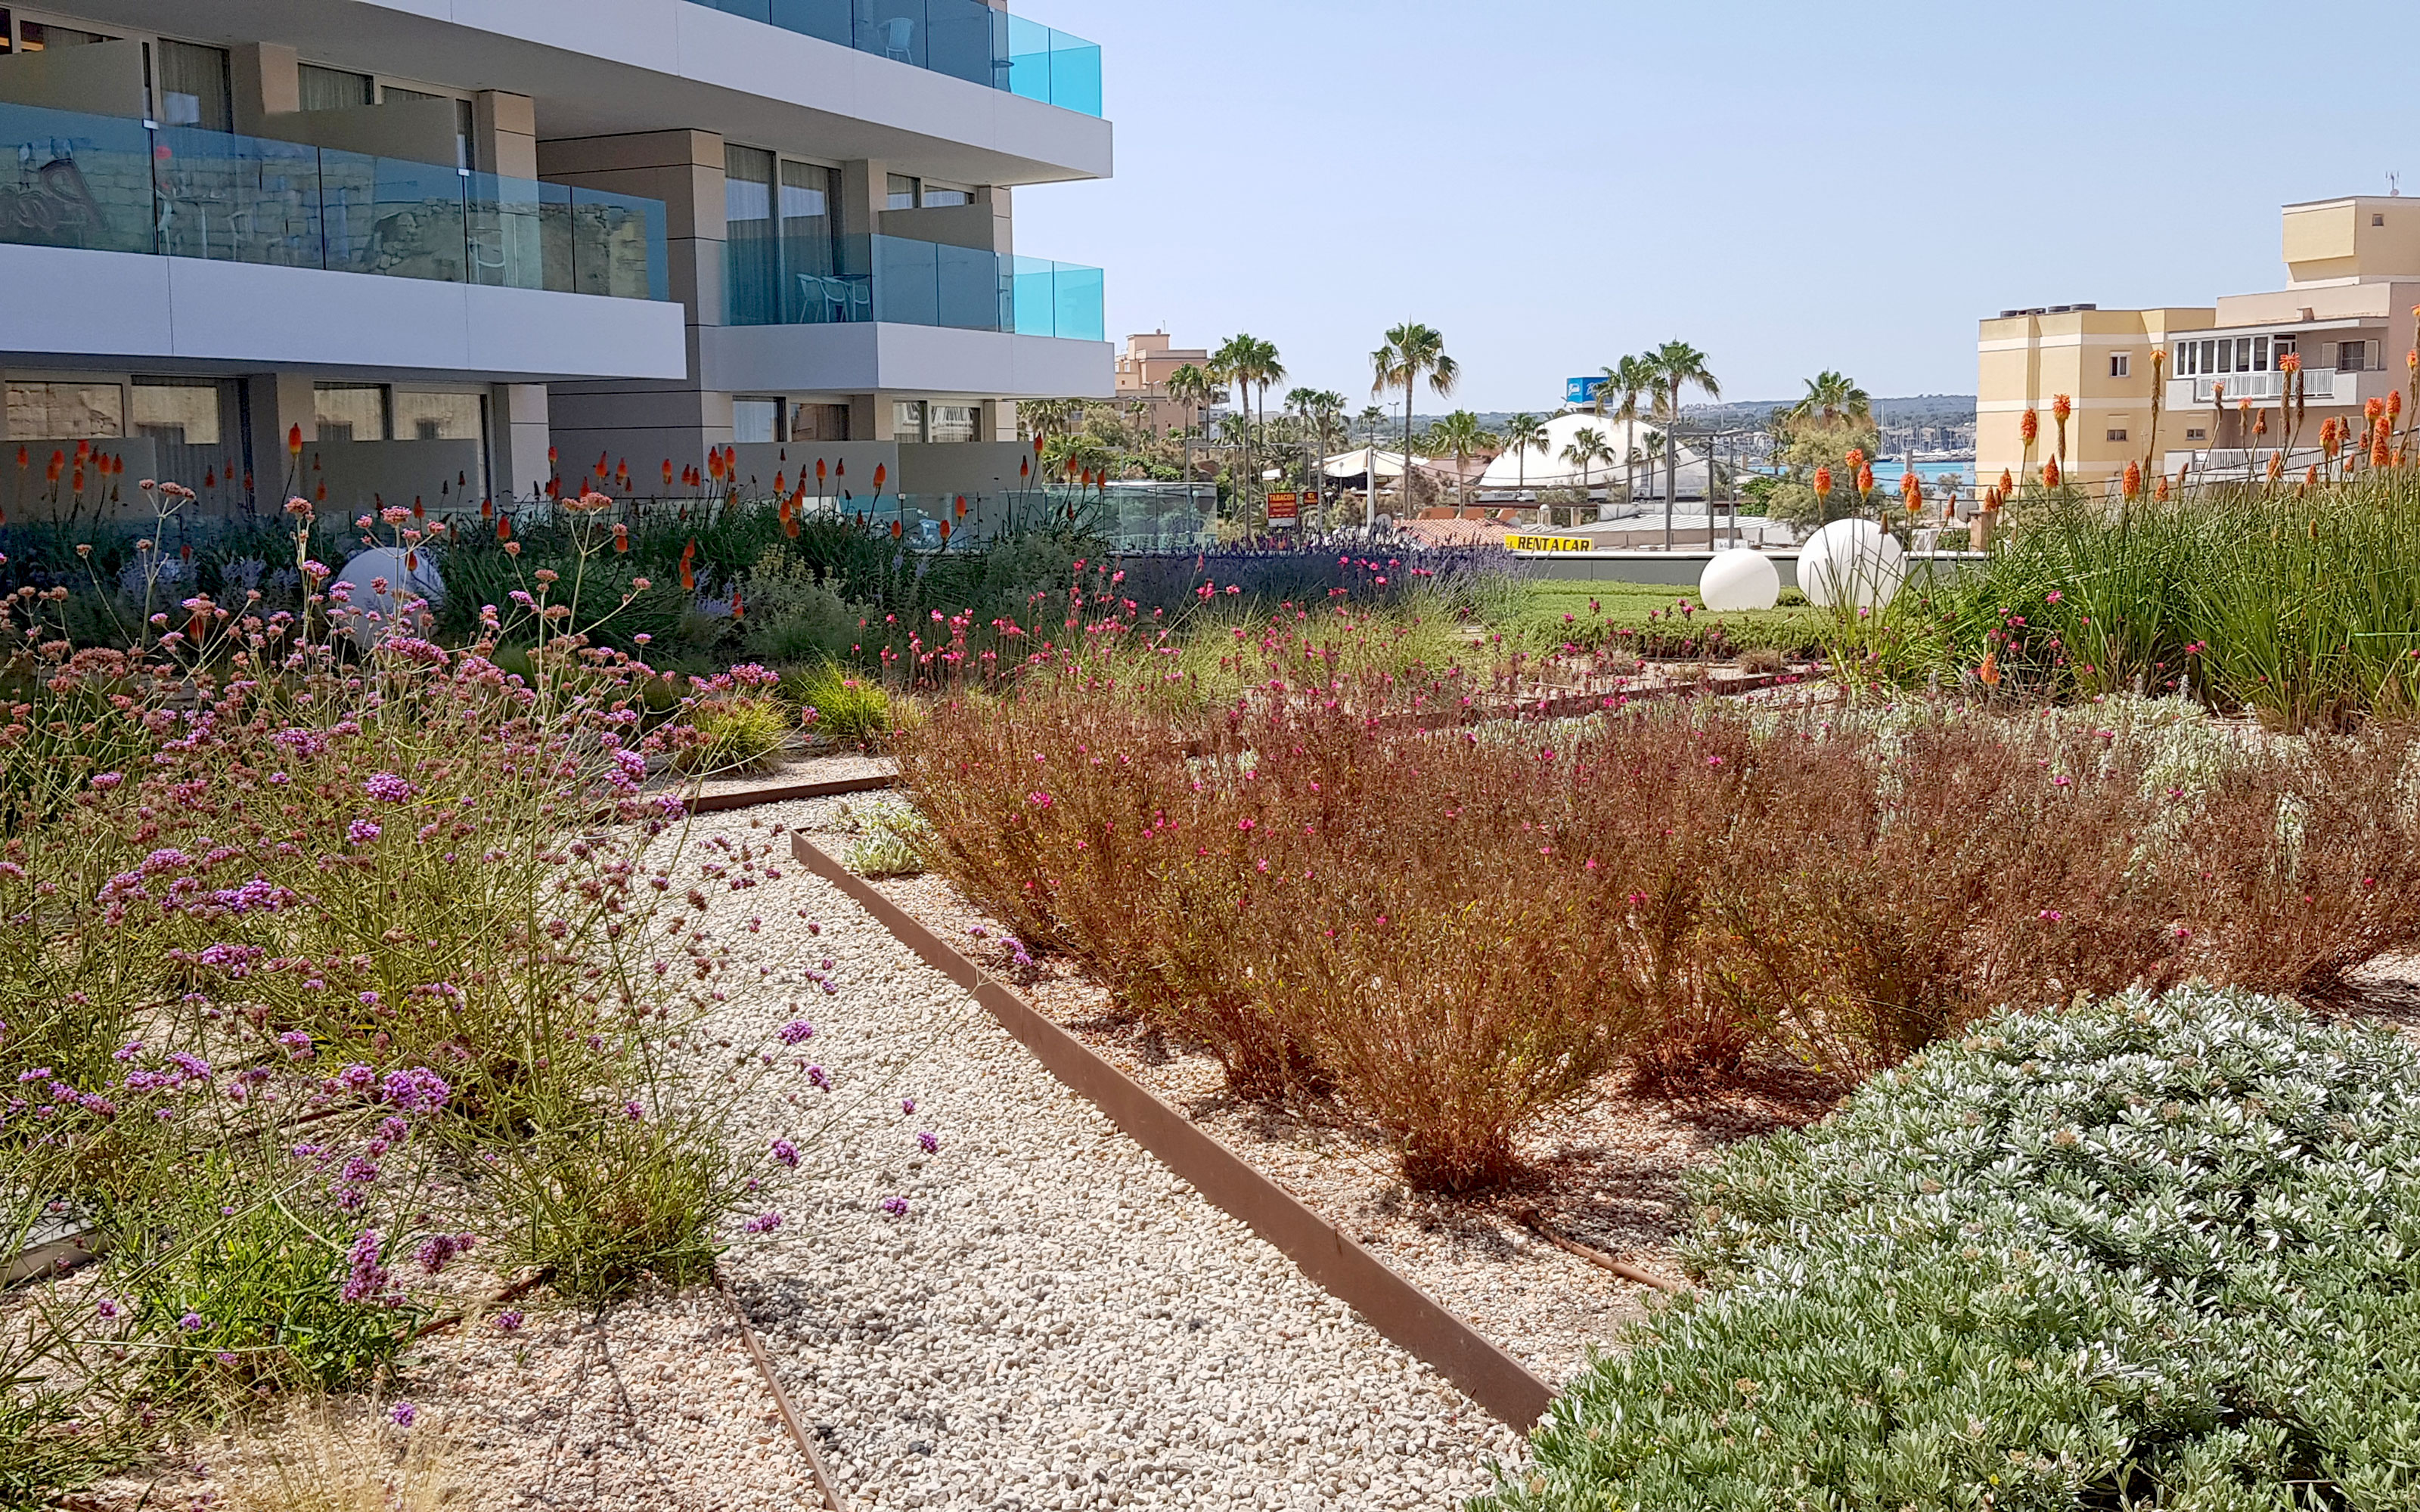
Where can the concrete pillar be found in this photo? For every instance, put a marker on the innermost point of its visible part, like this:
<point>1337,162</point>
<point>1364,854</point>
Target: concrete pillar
<point>1003,217</point>
<point>869,417</point>
<point>267,82</point>
<point>998,420</point>
<point>504,130</point>
<point>279,402</point>
<point>518,416</point>
<point>864,189</point>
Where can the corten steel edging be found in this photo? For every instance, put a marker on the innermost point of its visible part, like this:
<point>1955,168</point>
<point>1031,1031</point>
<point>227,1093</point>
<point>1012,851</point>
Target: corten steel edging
<point>1391,1304</point>
<point>751,797</point>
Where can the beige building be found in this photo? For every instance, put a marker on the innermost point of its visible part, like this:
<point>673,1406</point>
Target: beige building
<point>1143,376</point>
<point>2353,274</point>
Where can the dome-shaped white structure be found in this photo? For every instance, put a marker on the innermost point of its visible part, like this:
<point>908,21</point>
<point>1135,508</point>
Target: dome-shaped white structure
<point>1542,466</point>
<point>371,588</point>
<point>1851,563</point>
<point>1739,579</point>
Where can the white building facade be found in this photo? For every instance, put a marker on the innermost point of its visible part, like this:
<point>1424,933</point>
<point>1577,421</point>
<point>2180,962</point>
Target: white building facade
<point>463,249</point>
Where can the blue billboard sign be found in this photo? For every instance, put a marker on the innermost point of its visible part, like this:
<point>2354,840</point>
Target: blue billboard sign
<point>1582,390</point>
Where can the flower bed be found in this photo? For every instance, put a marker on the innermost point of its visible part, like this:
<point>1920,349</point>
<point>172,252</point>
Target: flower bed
<point>2147,1251</point>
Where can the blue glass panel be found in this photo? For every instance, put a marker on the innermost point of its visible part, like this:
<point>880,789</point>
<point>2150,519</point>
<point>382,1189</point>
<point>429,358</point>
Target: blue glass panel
<point>1074,74</point>
<point>894,29</point>
<point>81,181</point>
<point>907,282</point>
<point>961,39</point>
<point>618,245</point>
<point>968,293</point>
<point>830,20</point>
<point>505,226</point>
<point>753,9</point>
<point>1029,58</point>
<point>235,199</point>
<point>1077,298</point>
<point>403,220</point>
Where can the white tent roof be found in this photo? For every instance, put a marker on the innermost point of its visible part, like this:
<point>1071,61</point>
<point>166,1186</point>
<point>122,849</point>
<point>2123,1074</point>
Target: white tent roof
<point>1542,466</point>
<point>1355,463</point>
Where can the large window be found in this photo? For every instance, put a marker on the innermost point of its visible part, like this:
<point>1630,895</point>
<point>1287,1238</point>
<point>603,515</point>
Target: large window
<point>953,422</point>
<point>194,89</point>
<point>2352,356</point>
<point>754,247</point>
<point>352,411</point>
<point>196,427</point>
<point>436,417</point>
<point>65,411</point>
<point>756,420</point>
<point>335,88</point>
<point>782,247</point>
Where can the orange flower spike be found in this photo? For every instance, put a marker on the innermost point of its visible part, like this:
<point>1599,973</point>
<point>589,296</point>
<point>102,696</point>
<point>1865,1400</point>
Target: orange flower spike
<point>819,475</point>
<point>2394,405</point>
<point>294,440</point>
<point>2029,427</point>
<point>738,608</point>
<point>503,528</point>
<point>945,533</point>
<point>962,506</point>
<point>1822,483</point>
<point>1989,671</point>
<point>687,576</point>
<point>896,530</point>
<point>2160,493</point>
<point>487,509</point>
<point>668,472</point>
<point>882,473</point>
<point>24,460</point>
<point>553,457</point>
<point>2050,473</point>
<point>2060,407</point>
<point>1864,481</point>
<point>2133,482</point>
<point>2276,466</point>
<point>2007,482</point>
<point>2372,408</point>
<point>780,483</point>
<point>1856,457</point>
<point>622,539</point>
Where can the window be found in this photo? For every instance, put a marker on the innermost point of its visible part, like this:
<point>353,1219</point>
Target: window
<point>907,419</point>
<point>754,250</point>
<point>2352,356</point>
<point>35,36</point>
<point>934,197</point>
<point>819,422</point>
<point>352,411</point>
<point>2196,435</point>
<point>2209,361</point>
<point>180,412</point>
<point>65,411</point>
<point>2121,363</point>
<point>2244,354</point>
<point>756,420</point>
<point>2378,216</point>
<point>2116,435</point>
<point>903,193</point>
<point>953,422</point>
<point>7,33</point>
<point>436,417</point>
<point>808,232</point>
<point>335,89</point>
<point>194,89</point>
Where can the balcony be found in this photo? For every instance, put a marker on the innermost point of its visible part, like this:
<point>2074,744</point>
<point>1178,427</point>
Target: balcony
<point>964,38</point>
<point>891,280</point>
<point>102,183</point>
<point>2318,387</point>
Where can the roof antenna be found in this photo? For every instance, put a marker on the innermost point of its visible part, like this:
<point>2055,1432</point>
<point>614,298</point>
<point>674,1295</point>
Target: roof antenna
<point>2393,185</point>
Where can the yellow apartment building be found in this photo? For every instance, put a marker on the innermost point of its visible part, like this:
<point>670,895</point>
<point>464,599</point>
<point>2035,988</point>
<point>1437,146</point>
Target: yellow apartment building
<point>2354,276</point>
<point>1143,376</point>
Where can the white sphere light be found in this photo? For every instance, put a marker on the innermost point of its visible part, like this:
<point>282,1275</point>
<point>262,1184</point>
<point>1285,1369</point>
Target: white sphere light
<point>1739,579</point>
<point>368,612</point>
<point>1851,563</point>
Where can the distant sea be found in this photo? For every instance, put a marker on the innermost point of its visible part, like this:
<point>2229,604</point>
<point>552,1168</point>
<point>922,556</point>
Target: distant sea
<point>1887,473</point>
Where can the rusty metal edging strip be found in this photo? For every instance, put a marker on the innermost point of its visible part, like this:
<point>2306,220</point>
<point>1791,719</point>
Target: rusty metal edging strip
<point>1391,1304</point>
<point>782,1404</point>
<point>751,797</point>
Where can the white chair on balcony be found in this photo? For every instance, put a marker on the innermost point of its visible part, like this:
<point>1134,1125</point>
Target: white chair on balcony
<point>898,37</point>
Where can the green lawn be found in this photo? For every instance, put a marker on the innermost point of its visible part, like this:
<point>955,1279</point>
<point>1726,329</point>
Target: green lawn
<point>1647,616</point>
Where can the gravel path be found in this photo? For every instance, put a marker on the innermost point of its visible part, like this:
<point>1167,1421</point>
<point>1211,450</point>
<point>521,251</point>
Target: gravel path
<point>1055,1321</point>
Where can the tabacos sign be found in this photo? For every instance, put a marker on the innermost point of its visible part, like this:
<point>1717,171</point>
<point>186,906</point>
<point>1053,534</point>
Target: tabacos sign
<point>1285,508</point>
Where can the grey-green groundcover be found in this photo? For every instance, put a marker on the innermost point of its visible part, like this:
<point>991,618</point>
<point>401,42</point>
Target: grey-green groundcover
<point>2132,1252</point>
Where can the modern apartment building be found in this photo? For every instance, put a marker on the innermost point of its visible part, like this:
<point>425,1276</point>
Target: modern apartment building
<point>439,240</point>
<point>1142,375</point>
<point>2345,314</point>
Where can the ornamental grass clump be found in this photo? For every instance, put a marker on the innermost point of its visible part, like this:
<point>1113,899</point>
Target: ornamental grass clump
<point>2137,1251</point>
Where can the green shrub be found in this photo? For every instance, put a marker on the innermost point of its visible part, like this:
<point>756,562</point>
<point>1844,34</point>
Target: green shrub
<point>835,701</point>
<point>2139,1252</point>
<point>890,841</point>
<point>613,1196</point>
<point>793,616</point>
<point>726,735</point>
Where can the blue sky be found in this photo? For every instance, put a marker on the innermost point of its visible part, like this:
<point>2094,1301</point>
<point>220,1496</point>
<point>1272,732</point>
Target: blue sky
<point>1789,186</point>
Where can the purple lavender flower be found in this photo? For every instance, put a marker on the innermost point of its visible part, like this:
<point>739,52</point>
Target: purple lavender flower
<point>356,1077</point>
<point>633,1111</point>
<point>364,1276</point>
<point>508,1322</point>
<point>403,1412</point>
<point>817,1076</point>
<point>907,1104</point>
<point>896,1207</point>
<point>437,1249</point>
<point>191,1324</point>
<point>105,1308</point>
<point>297,1043</point>
<point>414,1090</point>
<point>786,1152</point>
<point>796,1031</point>
<point>763,1224</point>
<point>931,1142</point>
<point>361,831</point>
<point>387,788</point>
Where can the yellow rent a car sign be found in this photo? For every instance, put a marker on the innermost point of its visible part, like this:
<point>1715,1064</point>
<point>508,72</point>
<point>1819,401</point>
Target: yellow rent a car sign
<point>1548,543</point>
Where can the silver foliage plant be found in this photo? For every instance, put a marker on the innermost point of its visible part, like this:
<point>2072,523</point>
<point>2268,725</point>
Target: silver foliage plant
<point>2130,1253</point>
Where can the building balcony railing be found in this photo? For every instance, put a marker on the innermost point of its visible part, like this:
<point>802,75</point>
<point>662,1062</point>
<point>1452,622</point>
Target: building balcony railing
<point>878,278</point>
<point>104,183</point>
<point>2318,387</point>
<point>964,38</point>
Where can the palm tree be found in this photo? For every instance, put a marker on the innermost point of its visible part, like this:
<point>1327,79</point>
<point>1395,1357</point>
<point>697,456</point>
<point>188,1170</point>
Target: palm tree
<point>1632,379</point>
<point>1524,434</point>
<point>1250,364</point>
<point>1193,387</point>
<point>1587,449</point>
<point>1833,396</point>
<point>1411,351</point>
<point>1678,366</point>
<point>1459,435</point>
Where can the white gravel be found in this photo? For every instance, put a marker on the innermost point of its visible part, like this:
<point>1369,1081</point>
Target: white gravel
<point>1056,1322</point>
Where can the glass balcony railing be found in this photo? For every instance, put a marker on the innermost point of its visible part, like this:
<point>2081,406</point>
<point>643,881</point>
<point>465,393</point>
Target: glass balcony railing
<point>106,184</point>
<point>866,278</point>
<point>964,38</point>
